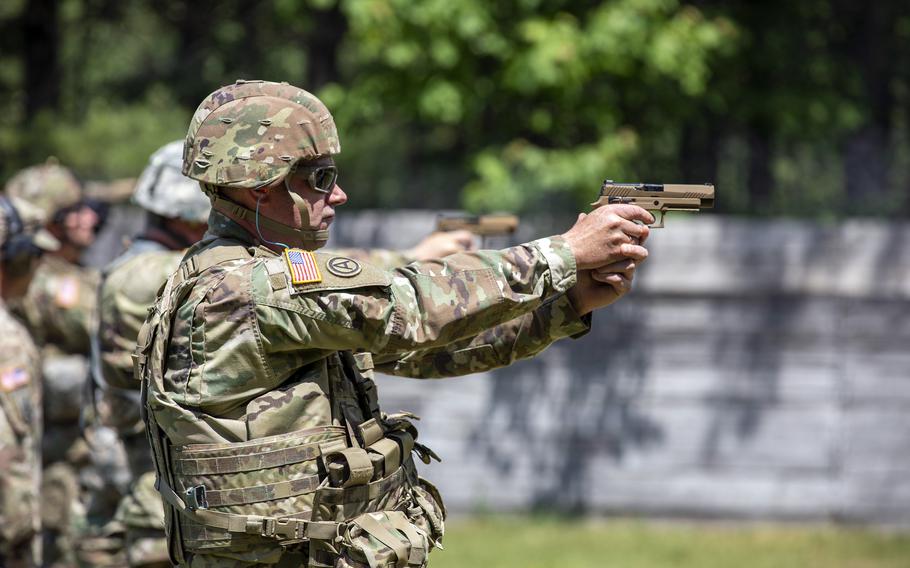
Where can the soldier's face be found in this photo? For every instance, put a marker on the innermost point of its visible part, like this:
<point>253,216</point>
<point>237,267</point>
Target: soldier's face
<point>79,226</point>
<point>320,205</point>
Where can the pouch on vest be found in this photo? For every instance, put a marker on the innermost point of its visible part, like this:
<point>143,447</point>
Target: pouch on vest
<point>431,515</point>
<point>276,476</point>
<point>381,540</point>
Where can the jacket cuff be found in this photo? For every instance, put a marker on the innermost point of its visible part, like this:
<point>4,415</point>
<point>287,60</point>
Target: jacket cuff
<point>559,257</point>
<point>562,319</point>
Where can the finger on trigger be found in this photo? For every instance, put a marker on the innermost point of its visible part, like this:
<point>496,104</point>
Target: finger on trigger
<point>634,230</point>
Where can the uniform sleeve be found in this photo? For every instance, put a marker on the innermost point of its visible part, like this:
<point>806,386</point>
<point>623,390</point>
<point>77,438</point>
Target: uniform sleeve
<point>123,305</point>
<point>500,346</point>
<point>119,320</point>
<point>418,306</point>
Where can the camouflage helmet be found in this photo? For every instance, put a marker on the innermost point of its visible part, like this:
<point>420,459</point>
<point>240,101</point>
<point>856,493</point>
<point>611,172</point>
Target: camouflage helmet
<point>22,229</point>
<point>49,187</point>
<point>162,189</point>
<point>252,133</point>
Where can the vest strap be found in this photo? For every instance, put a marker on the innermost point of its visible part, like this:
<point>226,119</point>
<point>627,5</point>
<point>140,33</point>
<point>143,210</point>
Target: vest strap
<point>260,493</point>
<point>270,527</point>
<point>249,462</point>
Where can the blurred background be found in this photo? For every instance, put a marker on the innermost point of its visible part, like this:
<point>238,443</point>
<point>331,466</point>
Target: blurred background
<point>759,372</point>
<point>793,108</point>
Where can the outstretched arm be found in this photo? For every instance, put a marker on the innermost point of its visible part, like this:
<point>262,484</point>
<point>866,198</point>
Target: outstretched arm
<point>520,338</point>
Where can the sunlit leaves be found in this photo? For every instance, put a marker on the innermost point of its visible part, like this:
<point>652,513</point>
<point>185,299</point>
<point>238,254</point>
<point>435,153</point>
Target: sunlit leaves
<point>544,95</point>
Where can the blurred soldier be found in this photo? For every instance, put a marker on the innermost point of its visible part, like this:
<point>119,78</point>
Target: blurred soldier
<point>267,437</point>
<point>177,214</point>
<point>59,311</point>
<point>22,241</point>
<point>60,303</point>
<point>436,245</point>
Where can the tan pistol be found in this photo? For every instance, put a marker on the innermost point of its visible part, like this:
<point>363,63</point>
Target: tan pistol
<point>658,197</point>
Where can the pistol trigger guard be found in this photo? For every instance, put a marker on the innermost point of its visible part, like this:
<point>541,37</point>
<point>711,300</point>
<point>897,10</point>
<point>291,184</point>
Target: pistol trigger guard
<point>660,222</point>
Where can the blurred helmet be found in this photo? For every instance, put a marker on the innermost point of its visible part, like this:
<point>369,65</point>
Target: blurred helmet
<point>252,133</point>
<point>162,188</point>
<point>49,187</point>
<point>22,229</point>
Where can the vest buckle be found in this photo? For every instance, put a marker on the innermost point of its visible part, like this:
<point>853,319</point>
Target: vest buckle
<point>194,497</point>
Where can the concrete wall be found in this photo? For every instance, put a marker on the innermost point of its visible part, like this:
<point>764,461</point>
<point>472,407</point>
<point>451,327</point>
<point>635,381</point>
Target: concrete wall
<point>759,369</point>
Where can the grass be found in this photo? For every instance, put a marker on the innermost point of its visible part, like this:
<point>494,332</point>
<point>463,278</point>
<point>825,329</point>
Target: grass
<point>547,542</point>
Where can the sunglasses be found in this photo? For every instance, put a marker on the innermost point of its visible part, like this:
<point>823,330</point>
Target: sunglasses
<point>320,178</point>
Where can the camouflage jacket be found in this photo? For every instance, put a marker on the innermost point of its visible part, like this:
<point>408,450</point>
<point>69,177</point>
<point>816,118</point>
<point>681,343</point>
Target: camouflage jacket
<point>20,436</point>
<point>59,308</point>
<point>124,301</point>
<point>128,289</point>
<point>129,285</point>
<point>239,361</point>
<point>59,312</point>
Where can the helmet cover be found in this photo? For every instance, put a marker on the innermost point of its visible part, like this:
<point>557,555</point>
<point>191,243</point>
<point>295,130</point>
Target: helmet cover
<point>252,133</point>
<point>162,188</point>
<point>22,229</point>
<point>49,187</point>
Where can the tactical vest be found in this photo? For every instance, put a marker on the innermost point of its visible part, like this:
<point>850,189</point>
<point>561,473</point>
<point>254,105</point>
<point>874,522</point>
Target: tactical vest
<point>348,495</point>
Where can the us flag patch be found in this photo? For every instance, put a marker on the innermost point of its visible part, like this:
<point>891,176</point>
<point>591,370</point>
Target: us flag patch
<point>13,379</point>
<point>303,267</point>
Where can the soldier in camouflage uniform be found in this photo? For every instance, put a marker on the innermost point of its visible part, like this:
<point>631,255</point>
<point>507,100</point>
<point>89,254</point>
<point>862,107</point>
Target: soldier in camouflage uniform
<point>60,303</point>
<point>22,241</point>
<point>59,311</point>
<point>178,212</point>
<point>257,359</point>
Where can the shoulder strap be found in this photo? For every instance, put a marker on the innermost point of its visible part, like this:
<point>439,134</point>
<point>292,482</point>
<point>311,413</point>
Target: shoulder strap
<point>213,256</point>
<point>148,362</point>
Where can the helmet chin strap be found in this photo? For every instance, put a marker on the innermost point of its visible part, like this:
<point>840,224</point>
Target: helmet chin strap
<point>259,232</point>
<point>318,237</point>
<point>311,239</point>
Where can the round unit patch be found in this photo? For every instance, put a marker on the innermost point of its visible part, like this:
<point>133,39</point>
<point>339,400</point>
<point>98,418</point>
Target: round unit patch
<point>343,267</point>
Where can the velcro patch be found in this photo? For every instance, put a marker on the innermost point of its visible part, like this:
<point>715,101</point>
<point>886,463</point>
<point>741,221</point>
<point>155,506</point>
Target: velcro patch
<point>13,379</point>
<point>352,275</point>
<point>343,267</point>
<point>68,292</point>
<point>302,266</point>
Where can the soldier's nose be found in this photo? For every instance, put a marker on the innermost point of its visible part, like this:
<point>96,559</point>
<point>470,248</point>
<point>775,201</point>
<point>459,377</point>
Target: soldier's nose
<point>338,196</point>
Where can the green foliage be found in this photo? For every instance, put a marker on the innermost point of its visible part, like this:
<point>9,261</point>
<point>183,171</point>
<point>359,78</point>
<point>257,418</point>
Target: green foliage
<point>547,95</point>
<point>795,108</point>
<point>115,140</point>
